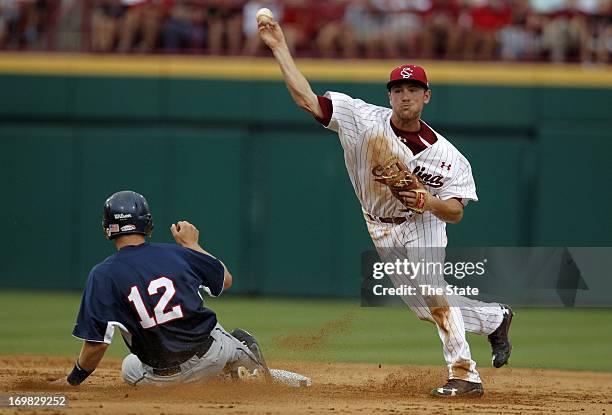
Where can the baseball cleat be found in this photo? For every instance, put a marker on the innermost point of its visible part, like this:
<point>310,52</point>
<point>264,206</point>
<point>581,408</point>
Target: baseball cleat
<point>460,389</point>
<point>500,343</point>
<point>249,341</point>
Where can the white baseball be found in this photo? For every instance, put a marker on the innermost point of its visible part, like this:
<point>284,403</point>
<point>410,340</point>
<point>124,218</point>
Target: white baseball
<point>264,15</point>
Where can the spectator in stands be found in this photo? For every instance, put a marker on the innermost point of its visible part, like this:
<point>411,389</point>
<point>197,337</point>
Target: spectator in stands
<point>140,21</point>
<point>590,22</point>
<point>402,26</point>
<point>599,37</point>
<point>26,22</point>
<point>105,18</point>
<point>184,27</point>
<point>10,15</point>
<point>299,21</point>
<point>488,19</point>
<point>442,30</point>
<point>550,30</point>
<point>367,23</point>
<point>561,30</point>
<point>519,40</point>
<point>67,31</point>
<point>224,18</point>
<point>335,37</point>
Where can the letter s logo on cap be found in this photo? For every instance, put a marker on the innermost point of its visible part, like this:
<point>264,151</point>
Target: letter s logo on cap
<point>406,72</point>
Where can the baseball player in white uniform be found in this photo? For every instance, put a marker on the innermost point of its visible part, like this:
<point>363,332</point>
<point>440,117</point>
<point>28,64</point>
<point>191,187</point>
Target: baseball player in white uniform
<point>379,143</point>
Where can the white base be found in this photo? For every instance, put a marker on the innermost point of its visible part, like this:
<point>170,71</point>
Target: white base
<point>290,378</point>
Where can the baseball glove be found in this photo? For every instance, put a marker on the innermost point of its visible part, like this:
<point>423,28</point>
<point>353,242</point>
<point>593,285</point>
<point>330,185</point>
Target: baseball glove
<point>398,178</point>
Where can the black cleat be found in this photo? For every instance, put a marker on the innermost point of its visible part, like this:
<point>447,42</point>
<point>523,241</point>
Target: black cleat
<point>249,341</point>
<point>500,343</point>
<point>457,388</point>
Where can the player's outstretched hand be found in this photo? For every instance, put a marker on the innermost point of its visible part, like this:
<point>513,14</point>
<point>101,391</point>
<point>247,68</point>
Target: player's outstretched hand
<point>185,234</point>
<point>271,34</point>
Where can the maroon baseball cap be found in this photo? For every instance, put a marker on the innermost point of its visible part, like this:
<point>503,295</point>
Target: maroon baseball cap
<point>408,73</point>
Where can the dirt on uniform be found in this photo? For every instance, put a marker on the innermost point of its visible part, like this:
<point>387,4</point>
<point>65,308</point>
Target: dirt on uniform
<point>338,388</point>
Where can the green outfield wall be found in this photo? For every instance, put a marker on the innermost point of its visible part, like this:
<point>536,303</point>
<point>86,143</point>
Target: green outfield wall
<point>266,184</point>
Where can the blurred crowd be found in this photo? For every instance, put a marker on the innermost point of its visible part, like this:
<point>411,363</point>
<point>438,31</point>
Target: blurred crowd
<point>525,30</point>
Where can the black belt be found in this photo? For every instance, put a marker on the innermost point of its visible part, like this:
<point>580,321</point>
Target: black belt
<point>395,221</point>
<point>199,351</point>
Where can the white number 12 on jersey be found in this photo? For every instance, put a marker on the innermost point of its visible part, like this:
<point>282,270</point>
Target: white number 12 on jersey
<point>160,317</point>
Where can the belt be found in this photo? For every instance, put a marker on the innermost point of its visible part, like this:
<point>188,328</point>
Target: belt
<point>395,221</point>
<point>198,351</point>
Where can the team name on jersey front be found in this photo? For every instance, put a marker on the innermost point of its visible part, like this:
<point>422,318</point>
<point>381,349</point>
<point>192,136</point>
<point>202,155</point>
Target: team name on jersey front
<point>395,166</point>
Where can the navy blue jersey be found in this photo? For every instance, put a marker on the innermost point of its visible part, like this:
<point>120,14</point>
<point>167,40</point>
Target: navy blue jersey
<point>151,292</point>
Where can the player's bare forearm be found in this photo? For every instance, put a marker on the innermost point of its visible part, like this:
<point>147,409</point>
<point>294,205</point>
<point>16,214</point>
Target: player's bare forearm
<point>297,84</point>
<point>91,355</point>
<point>450,210</point>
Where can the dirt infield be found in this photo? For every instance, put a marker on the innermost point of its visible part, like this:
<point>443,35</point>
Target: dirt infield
<point>338,388</point>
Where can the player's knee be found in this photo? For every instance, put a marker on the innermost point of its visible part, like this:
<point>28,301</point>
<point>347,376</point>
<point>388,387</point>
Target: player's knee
<point>131,369</point>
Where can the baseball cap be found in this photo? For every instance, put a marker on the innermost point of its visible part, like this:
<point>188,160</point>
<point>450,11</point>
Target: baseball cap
<point>408,72</point>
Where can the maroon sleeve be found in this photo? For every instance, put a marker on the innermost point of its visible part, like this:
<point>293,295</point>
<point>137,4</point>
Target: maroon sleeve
<point>328,108</point>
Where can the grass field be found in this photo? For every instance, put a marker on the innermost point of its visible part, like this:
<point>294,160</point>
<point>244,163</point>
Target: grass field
<point>328,330</point>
